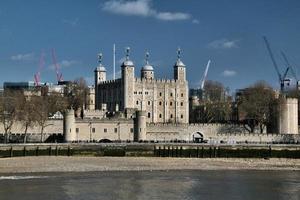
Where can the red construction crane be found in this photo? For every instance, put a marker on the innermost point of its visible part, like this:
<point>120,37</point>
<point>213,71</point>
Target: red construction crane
<point>37,76</point>
<point>58,74</point>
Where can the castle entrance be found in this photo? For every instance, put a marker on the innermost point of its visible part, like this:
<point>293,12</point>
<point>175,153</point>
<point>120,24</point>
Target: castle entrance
<point>197,137</point>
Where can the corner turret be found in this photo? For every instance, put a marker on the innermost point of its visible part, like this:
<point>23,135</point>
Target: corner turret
<point>179,68</point>
<point>147,71</point>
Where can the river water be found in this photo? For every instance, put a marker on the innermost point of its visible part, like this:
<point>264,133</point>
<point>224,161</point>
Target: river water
<point>145,185</point>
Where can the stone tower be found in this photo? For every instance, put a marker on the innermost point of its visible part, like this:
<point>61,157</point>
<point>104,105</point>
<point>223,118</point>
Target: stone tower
<point>288,116</point>
<point>128,81</point>
<point>100,76</point>
<point>69,126</point>
<point>179,68</point>
<point>140,126</point>
<point>147,71</point>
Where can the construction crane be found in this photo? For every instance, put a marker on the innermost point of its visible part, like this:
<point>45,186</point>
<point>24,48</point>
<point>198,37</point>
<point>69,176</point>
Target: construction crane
<point>282,77</point>
<point>290,67</point>
<point>58,74</point>
<point>204,75</point>
<point>37,76</point>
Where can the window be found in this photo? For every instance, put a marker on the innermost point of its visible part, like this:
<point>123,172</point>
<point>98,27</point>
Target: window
<point>149,103</point>
<point>171,94</point>
<point>171,116</point>
<point>181,94</point>
<point>105,130</point>
<point>116,130</point>
<point>159,115</point>
<point>171,103</point>
<point>181,116</point>
<point>160,103</point>
<point>149,115</point>
<point>131,130</point>
<point>77,130</point>
<point>181,103</point>
<point>137,102</point>
<point>93,130</point>
<point>160,94</point>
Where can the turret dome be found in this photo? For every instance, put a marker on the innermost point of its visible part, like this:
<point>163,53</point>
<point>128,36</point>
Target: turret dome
<point>127,62</point>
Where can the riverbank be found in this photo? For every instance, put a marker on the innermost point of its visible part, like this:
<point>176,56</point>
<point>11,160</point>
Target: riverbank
<point>90,164</point>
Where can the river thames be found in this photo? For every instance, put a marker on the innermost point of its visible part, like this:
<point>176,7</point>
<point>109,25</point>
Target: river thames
<point>187,184</point>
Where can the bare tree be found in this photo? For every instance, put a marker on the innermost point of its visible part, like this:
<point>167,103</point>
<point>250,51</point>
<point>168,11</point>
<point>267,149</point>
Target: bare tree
<point>255,106</point>
<point>214,105</point>
<point>41,110</point>
<point>8,111</point>
<point>26,114</point>
<point>77,96</point>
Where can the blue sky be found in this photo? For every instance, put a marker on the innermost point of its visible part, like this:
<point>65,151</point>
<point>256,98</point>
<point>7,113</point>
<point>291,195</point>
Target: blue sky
<point>229,32</point>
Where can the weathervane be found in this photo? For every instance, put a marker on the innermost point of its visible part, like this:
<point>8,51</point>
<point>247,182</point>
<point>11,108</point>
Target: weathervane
<point>178,53</point>
<point>100,56</point>
<point>127,53</point>
<point>147,58</point>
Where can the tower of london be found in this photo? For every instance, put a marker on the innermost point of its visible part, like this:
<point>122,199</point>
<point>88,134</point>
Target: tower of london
<point>163,100</point>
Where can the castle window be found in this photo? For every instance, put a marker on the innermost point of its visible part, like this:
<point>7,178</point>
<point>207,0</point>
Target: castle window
<point>171,103</point>
<point>181,94</point>
<point>149,103</point>
<point>181,103</point>
<point>131,130</point>
<point>181,116</point>
<point>137,102</point>
<point>93,130</point>
<point>105,130</point>
<point>160,103</point>
<point>77,130</point>
<point>160,94</point>
<point>171,116</point>
<point>171,94</point>
<point>149,115</point>
<point>116,130</point>
<point>159,115</point>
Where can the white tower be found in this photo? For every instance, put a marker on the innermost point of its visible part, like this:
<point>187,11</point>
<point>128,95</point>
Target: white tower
<point>147,71</point>
<point>179,68</point>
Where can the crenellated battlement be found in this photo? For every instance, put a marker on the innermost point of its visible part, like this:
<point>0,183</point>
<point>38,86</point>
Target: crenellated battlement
<point>111,82</point>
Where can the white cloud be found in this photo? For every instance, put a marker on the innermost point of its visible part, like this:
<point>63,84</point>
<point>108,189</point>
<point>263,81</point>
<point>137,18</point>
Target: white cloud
<point>23,57</point>
<point>195,21</point>
<point>229,73</point>
<point>223,44</point>
<point>168,16</point>
<point>141,8</point>
<point>64,63</point>
<point>71,22</point>
<point>138,7</point>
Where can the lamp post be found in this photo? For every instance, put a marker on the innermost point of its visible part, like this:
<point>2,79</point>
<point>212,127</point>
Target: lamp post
<point>119,137</point>
<point>90,125</point>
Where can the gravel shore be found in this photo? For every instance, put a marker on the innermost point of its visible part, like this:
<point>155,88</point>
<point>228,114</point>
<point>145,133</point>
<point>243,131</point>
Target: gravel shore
<point>83,164</point>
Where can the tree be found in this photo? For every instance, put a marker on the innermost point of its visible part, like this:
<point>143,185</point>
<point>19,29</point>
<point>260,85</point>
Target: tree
<point>214,104</point>
<point>254,106</point>
<point>41,110</point>
<point>26,114</point>
<point>214,91</point>
<point>77,95</point>
<point>8,111</point>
